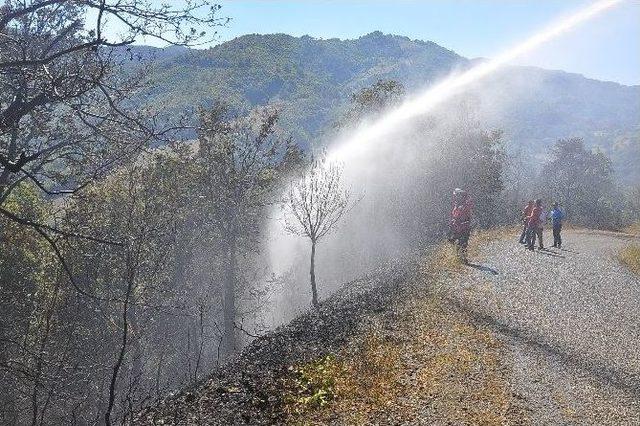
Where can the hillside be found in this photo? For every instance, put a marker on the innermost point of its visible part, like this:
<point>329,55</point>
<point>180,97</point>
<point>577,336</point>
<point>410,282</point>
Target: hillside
<point>313,79</point>
<point>433,342</point>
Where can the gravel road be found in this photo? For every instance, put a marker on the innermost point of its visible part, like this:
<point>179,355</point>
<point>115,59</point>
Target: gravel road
<point>570,321</point>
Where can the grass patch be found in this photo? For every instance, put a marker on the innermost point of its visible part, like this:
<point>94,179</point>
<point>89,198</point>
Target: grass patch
<point>629,256</point>
<point>445,259</point>
<point>313,385</point>
<point>427,363</point>
<point>352,386</point>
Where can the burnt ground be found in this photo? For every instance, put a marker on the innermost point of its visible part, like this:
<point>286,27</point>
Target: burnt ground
<point>551,337</point>
<point>250,389</point>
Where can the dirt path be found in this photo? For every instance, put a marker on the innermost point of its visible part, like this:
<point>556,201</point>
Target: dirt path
<point>570,320</point>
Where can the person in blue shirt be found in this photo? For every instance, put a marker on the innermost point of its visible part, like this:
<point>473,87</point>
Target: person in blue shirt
<point>556,216</point>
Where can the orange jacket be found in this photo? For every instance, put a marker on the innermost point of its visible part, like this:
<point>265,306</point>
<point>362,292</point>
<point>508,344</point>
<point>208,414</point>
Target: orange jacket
<point>534,216</point>
<point>461,216</point>
<point>527,211</point>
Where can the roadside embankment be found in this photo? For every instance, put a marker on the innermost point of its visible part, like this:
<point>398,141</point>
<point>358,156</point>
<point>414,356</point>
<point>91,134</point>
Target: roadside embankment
<point>386,349</point>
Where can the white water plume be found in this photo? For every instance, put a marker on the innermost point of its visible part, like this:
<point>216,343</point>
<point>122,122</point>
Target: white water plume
<point>353,145</point>
<point>388,158</point>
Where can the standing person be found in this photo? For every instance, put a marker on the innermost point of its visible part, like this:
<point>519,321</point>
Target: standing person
<point>460,225</point>
<point>523,218</point>
<point>541,222</point>
<point>532,224</point>
<point>557,217</point>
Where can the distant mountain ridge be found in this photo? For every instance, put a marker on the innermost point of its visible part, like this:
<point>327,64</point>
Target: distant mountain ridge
<point>312,79</point>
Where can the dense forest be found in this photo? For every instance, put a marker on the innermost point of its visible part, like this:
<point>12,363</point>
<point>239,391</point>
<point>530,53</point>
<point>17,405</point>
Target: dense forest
<point>312,79</point>
<point>137,195</point>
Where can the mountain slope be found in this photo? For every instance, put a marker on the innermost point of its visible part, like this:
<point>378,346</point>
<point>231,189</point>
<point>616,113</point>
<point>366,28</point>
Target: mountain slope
<point>384,347</point>
<point>313,79</point>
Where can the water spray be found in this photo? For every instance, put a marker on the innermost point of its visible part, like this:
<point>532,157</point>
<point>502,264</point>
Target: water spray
<point>354,145</point>
<point>368,151</point>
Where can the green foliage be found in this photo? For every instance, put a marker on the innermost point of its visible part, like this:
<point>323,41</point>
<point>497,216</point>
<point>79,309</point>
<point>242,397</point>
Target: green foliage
<point>629,256</point>
<point>27,288</point>
<point>477,159</point>
<point>24,254</point>
<point>313,80</point>
<point>373,100</point>
<point>624,152</point>
<point>582,181</point>
<point>465,156</point>
<point>315,383</point>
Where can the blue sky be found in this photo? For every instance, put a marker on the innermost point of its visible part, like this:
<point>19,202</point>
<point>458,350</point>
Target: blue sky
<point>606,48</point>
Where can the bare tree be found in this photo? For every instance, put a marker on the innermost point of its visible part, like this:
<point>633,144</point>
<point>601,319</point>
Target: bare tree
<point>315,203</point>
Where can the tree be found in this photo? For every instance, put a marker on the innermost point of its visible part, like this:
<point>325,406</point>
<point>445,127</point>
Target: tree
<point>65,114</point>
<point>454,151</point>
<point>128,282</point>
<point>582,180</point>
<point>517,176</point>
<point>372,100</point>
<point>241,159</point>
<point>147,314</point>
<point>24,290</point>
<point>315,203</point>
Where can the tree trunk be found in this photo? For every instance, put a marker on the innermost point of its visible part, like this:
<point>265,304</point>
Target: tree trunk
<point>122,350</point>
<point>136,356</point>
<point>312,272</point>
<point>229,300</point>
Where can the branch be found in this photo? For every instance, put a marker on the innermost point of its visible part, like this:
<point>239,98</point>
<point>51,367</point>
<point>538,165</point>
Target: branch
<point>42,61</point>
<point>65,265</point>
<point>239,327</point>
<point>25,11</point>
<point>44,189</point>
<point>41,227</point>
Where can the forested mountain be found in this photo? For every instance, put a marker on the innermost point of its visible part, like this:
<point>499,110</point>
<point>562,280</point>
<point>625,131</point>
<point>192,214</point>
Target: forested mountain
<point>314,78</point>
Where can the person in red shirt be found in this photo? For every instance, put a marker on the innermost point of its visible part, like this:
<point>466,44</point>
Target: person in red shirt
<point>460,225</point>
<point>533,222</point>
<point>523,217</point>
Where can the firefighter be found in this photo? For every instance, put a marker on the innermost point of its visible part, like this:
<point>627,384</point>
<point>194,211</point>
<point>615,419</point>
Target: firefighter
<point>460,224</point>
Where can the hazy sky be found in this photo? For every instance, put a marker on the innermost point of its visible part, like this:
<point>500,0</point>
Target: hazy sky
<point>606,48</point>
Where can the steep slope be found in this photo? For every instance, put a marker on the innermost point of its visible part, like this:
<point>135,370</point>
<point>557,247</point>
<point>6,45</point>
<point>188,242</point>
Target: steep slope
<point>384,350</point>
<point>313,79</point>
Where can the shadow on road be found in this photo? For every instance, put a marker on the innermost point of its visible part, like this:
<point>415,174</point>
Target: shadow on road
<point>569,251</point>
<point>547,252</point>
<point>482,268</point>
<point>599,369</point>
